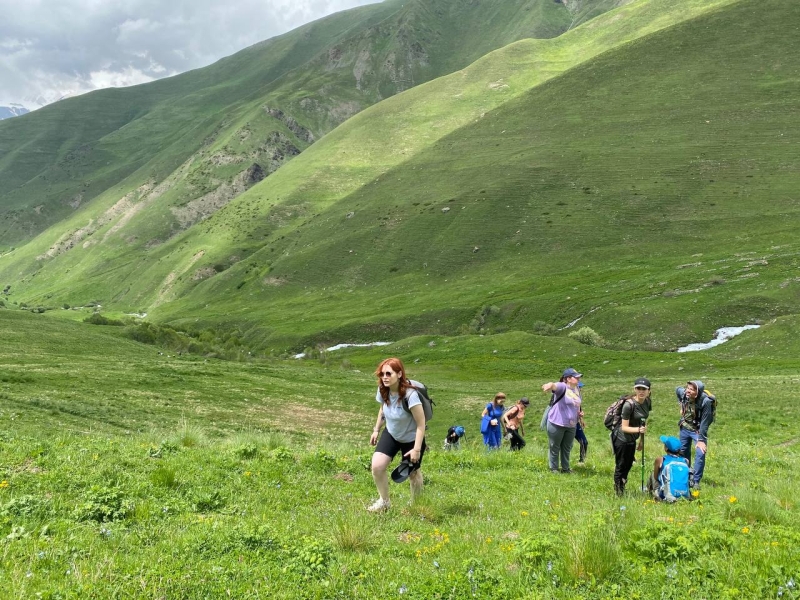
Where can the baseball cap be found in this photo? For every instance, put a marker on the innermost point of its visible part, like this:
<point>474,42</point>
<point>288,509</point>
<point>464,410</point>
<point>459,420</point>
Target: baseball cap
<point>642,382</point>
<point>571,373</point>
<point>672,444</point>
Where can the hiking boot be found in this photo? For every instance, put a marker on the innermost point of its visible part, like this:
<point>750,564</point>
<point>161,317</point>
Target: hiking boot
<point>619,488</point>
<point>380,505</point>
<point>567,471</point>
<point>695,485</point>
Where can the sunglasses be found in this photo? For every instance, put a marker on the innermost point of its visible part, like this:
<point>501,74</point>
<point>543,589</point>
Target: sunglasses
<point>386,374</point>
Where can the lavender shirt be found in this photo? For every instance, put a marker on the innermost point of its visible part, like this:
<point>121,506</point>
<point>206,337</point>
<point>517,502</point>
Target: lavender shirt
<point>565,412</point>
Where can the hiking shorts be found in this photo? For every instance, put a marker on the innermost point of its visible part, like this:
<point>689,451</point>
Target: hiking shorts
<point>390,447</point>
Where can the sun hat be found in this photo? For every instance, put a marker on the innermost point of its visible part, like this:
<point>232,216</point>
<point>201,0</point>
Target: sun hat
<point>571,373</point>
<point>642,382</point>
<point>403,470</point>
<point>672,444</point>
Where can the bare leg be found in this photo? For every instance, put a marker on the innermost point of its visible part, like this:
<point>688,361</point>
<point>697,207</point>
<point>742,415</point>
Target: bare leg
<point>380,463</point>
<point>415,480</point>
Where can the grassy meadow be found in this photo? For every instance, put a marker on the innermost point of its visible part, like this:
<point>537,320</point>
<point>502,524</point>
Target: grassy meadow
<point>129,471</point>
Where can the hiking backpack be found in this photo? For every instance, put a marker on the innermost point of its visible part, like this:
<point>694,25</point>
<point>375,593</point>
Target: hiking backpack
<point>674,478</point>
<point>613,417</point>
<point>713,399</point>
<point>427,402</point>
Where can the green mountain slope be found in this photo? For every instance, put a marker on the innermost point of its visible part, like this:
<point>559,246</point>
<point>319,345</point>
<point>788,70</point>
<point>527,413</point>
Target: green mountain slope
<point>650,191</point>
<point>261,106</point>
<point>626,192</point>
<point>81,262</point>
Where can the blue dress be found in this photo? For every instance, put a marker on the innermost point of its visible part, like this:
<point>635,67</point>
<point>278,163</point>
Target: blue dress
<point>494,434</point>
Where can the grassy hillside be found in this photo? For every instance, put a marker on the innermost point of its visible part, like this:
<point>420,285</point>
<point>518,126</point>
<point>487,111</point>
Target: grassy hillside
<point>392,146</point>
<point>261,106</point>
<point>130,472</point>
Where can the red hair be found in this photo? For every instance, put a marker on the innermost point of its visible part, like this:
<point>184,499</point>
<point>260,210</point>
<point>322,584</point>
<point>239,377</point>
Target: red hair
<point>396,365</point>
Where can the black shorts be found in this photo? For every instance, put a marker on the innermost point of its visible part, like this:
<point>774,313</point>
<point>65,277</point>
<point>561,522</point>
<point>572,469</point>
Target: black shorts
<point>390,447</point>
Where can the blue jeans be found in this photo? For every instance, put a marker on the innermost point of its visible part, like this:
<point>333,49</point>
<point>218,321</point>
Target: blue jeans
<point>686,451</point>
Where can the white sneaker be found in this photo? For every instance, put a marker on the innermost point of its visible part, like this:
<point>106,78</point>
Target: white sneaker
<point>379,506</point>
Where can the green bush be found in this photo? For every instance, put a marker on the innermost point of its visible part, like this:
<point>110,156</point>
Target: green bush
<point>103,504</point>
<point>588,336</point>
<point>98,319</point>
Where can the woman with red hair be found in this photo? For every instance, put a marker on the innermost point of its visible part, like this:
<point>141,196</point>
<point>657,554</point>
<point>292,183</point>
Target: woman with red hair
<point>401,410</point>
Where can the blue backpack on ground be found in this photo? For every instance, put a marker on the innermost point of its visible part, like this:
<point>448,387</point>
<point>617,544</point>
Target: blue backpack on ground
<point>674,479</point>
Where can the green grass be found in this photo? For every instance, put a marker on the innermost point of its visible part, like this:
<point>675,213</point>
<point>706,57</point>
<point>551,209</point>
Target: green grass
<point>99,492</point>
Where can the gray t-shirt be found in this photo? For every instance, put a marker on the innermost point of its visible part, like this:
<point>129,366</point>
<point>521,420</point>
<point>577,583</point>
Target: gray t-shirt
<point>399,423</point>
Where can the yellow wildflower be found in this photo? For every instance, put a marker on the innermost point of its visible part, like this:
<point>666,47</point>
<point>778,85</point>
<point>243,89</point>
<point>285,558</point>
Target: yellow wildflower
<point>247,473</point>
<point>524,513</point>
<point>745,530</point>
<point>3,484</point>
<point>488,540</point>
<point>695,493</point>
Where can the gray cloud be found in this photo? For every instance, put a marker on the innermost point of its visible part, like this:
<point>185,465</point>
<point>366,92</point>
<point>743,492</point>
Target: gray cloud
<point>52,48</point>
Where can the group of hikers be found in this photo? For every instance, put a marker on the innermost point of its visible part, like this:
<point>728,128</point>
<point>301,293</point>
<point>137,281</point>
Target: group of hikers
<point>403,412</point>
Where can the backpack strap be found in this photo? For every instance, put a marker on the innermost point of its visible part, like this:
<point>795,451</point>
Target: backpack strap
<point>555,400</point>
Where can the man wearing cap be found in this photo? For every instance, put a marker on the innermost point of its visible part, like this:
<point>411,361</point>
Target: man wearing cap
<point>635,411</point>
<point>697,414</point>
<point>512,419</point>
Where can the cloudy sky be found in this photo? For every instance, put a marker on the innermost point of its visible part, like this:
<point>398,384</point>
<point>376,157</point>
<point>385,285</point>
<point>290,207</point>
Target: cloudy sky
<point>53,48</point>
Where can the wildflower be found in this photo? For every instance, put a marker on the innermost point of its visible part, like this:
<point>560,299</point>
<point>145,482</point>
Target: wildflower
<point>695,493</point>
<point>549,565</point>
<point>247,473</point>
<point>436,564</point>
<point>41,554</point>
<point>732,499</point>
<point>790,583</point>
<point>622,508</point>
<point>745,530</point>
<point>403,589</point>
<point>3,484</point>
<point>489,540</point>
<point>524,513</point>
<point>774,544</point>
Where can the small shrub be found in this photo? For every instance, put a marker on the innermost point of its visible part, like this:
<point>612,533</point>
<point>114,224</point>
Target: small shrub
<point>320,461</point>
<point>309,558</point>
<point>22,506</point>
<point>103,504</point>
<point>588,336</point>
<point>542,328</point>
<point>281,454</point>
<point>537,550</point>
<point>98,319</point>
<point>246,451</point>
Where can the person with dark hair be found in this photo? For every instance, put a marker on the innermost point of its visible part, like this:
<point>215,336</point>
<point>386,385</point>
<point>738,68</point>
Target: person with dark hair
<point>512,419</point>
<point>490,421</point>
<point>635,411</point>
<point>562,418</point>
<point>697,414</point>
<point>401,409</point>
<point>452,441</point>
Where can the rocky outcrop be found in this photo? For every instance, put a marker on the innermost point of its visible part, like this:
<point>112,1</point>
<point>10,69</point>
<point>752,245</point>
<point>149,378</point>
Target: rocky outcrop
<point>291,124</point>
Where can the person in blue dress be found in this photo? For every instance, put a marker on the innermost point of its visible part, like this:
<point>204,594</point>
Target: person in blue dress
<point>490,425</point>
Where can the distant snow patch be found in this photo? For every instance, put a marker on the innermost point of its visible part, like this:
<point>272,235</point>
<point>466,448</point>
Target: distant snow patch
<point>722,335</point>
<point>340,346</point>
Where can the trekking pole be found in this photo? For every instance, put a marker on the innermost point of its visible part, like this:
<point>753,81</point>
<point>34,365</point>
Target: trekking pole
<point>644,424</point>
